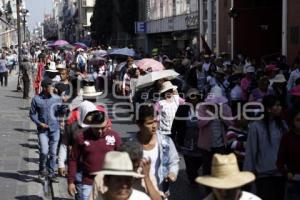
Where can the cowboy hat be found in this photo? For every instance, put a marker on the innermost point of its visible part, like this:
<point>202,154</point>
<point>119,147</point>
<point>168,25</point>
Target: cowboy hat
<point>225,173</point>
<point>215,96</point>
<point>167,85</point>
<point>279,78</point>
<point>118,164</point>
<point>60,66</point>
<point>52,67</point>
<point>90,91</point>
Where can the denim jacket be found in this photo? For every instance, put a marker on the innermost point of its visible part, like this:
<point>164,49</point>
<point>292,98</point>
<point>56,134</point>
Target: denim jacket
<point>169,159</point>
<point>45,110</point>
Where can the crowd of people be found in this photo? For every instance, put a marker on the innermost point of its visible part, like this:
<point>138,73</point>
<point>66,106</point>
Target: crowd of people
<point>223,116</point>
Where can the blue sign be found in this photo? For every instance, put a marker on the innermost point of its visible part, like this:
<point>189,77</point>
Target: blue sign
<point>140,27</point>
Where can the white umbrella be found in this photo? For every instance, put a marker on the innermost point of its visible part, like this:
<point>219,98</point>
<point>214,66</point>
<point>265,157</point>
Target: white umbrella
<point>123,52</point>
<point>150,78</point>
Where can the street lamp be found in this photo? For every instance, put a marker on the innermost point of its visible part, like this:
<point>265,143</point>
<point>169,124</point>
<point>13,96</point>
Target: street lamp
<point>24,13</point>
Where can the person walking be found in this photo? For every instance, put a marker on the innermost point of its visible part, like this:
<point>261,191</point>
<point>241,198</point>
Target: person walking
<point>226,180</point>
<point>288,161</point>
<point>44,111</point>
<point>3,70</point>
<point>262,147</point>
<point>118,179</point>
<point>90,147</point>
<point>26,67</point>
<point>157,148</point>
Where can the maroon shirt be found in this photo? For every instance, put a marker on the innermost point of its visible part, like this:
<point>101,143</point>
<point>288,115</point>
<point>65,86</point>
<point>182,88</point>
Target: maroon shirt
<point>91,151</point>
<point>289,154</point>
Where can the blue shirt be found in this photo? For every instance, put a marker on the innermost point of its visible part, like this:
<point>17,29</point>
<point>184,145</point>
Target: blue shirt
<point>3,67</point>
<point>46,110</point>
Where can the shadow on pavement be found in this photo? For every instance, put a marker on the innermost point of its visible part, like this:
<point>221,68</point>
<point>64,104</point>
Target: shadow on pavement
<point>33,140</point>
<point>19,177</point>
<point>25,130</point>
<point>30,146</point>
<point>26,108</point>
<point>30,197</point>
<point>33,160</point>
<point>15,97</point>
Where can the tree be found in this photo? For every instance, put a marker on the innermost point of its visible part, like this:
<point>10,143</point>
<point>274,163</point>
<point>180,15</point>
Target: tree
<point>112,16</point>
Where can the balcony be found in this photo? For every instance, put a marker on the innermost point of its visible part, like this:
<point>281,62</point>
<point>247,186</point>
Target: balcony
<point>88,3</point>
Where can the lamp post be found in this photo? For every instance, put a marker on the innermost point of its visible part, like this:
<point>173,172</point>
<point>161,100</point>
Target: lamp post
<point>24,13</point>
<point>19,42</point>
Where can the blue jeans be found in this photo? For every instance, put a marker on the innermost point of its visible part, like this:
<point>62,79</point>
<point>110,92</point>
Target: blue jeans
<point>78,184</point>
<point>48,142</point>
<point>86,191</point>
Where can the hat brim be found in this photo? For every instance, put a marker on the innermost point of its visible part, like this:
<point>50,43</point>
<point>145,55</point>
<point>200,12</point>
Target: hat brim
<point>166,89</point>
<point>229,182</point>
<point>51,70</point>
<point>92,94</point>
<point>118,173</point>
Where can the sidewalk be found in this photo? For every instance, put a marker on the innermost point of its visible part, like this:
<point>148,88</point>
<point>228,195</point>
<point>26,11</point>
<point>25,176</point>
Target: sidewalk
<point>19,149</point>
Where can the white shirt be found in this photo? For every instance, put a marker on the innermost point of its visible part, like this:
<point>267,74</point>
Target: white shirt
<point>167,114</point>
<point>245,196</point>
<point>236,93</point>
<point>293,77</point>
<point>152,155</point>
<point>206,66</point>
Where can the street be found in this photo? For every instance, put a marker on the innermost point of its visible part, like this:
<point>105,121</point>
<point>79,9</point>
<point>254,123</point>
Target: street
<point>18,144</point>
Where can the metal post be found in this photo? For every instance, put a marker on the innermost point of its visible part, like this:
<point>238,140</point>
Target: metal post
<point>284,27</point>
<point>24,27</point>
<point>232,33</point>
<point>209,23</point>
<point>19,39</point>
<point>200,23</point>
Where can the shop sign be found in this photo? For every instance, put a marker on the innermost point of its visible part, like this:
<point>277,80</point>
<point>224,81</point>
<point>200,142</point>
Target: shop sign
<point>191,21</point>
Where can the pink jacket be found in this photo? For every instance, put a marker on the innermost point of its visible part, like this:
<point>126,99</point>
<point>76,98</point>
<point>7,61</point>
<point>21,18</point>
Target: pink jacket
<point>204,139</point>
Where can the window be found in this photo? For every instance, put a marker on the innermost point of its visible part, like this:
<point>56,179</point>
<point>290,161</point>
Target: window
<point>294,36</point>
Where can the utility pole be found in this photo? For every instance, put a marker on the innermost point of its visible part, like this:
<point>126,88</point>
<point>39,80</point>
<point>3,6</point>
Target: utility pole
<point>19,41</point>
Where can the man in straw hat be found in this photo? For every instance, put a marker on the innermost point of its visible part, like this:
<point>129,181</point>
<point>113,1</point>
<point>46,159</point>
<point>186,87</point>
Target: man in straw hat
<point>118,178</point>
<point>226,180</point>
<point>90,147</point>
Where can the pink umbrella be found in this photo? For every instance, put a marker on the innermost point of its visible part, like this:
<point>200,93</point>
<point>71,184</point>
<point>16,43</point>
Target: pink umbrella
<point>60,43</point>
<point>148,64</point>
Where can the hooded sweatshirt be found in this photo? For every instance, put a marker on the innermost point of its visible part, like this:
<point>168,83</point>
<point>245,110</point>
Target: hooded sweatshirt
<point>90,149</point>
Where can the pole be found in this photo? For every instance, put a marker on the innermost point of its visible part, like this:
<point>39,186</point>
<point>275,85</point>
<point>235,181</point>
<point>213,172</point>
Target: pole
<point>200,24</point>
<point>19,40</point>
<point>284,27</point>
<point>24,27</point>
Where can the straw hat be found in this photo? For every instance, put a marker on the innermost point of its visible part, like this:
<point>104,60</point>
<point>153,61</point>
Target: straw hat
<point>90,91</point>
<point>52,67</point>
<point>279,78</point>
<point>118,164</point>
<point>167,85</point>
<point>60,66</point>
<point>225,173</point>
